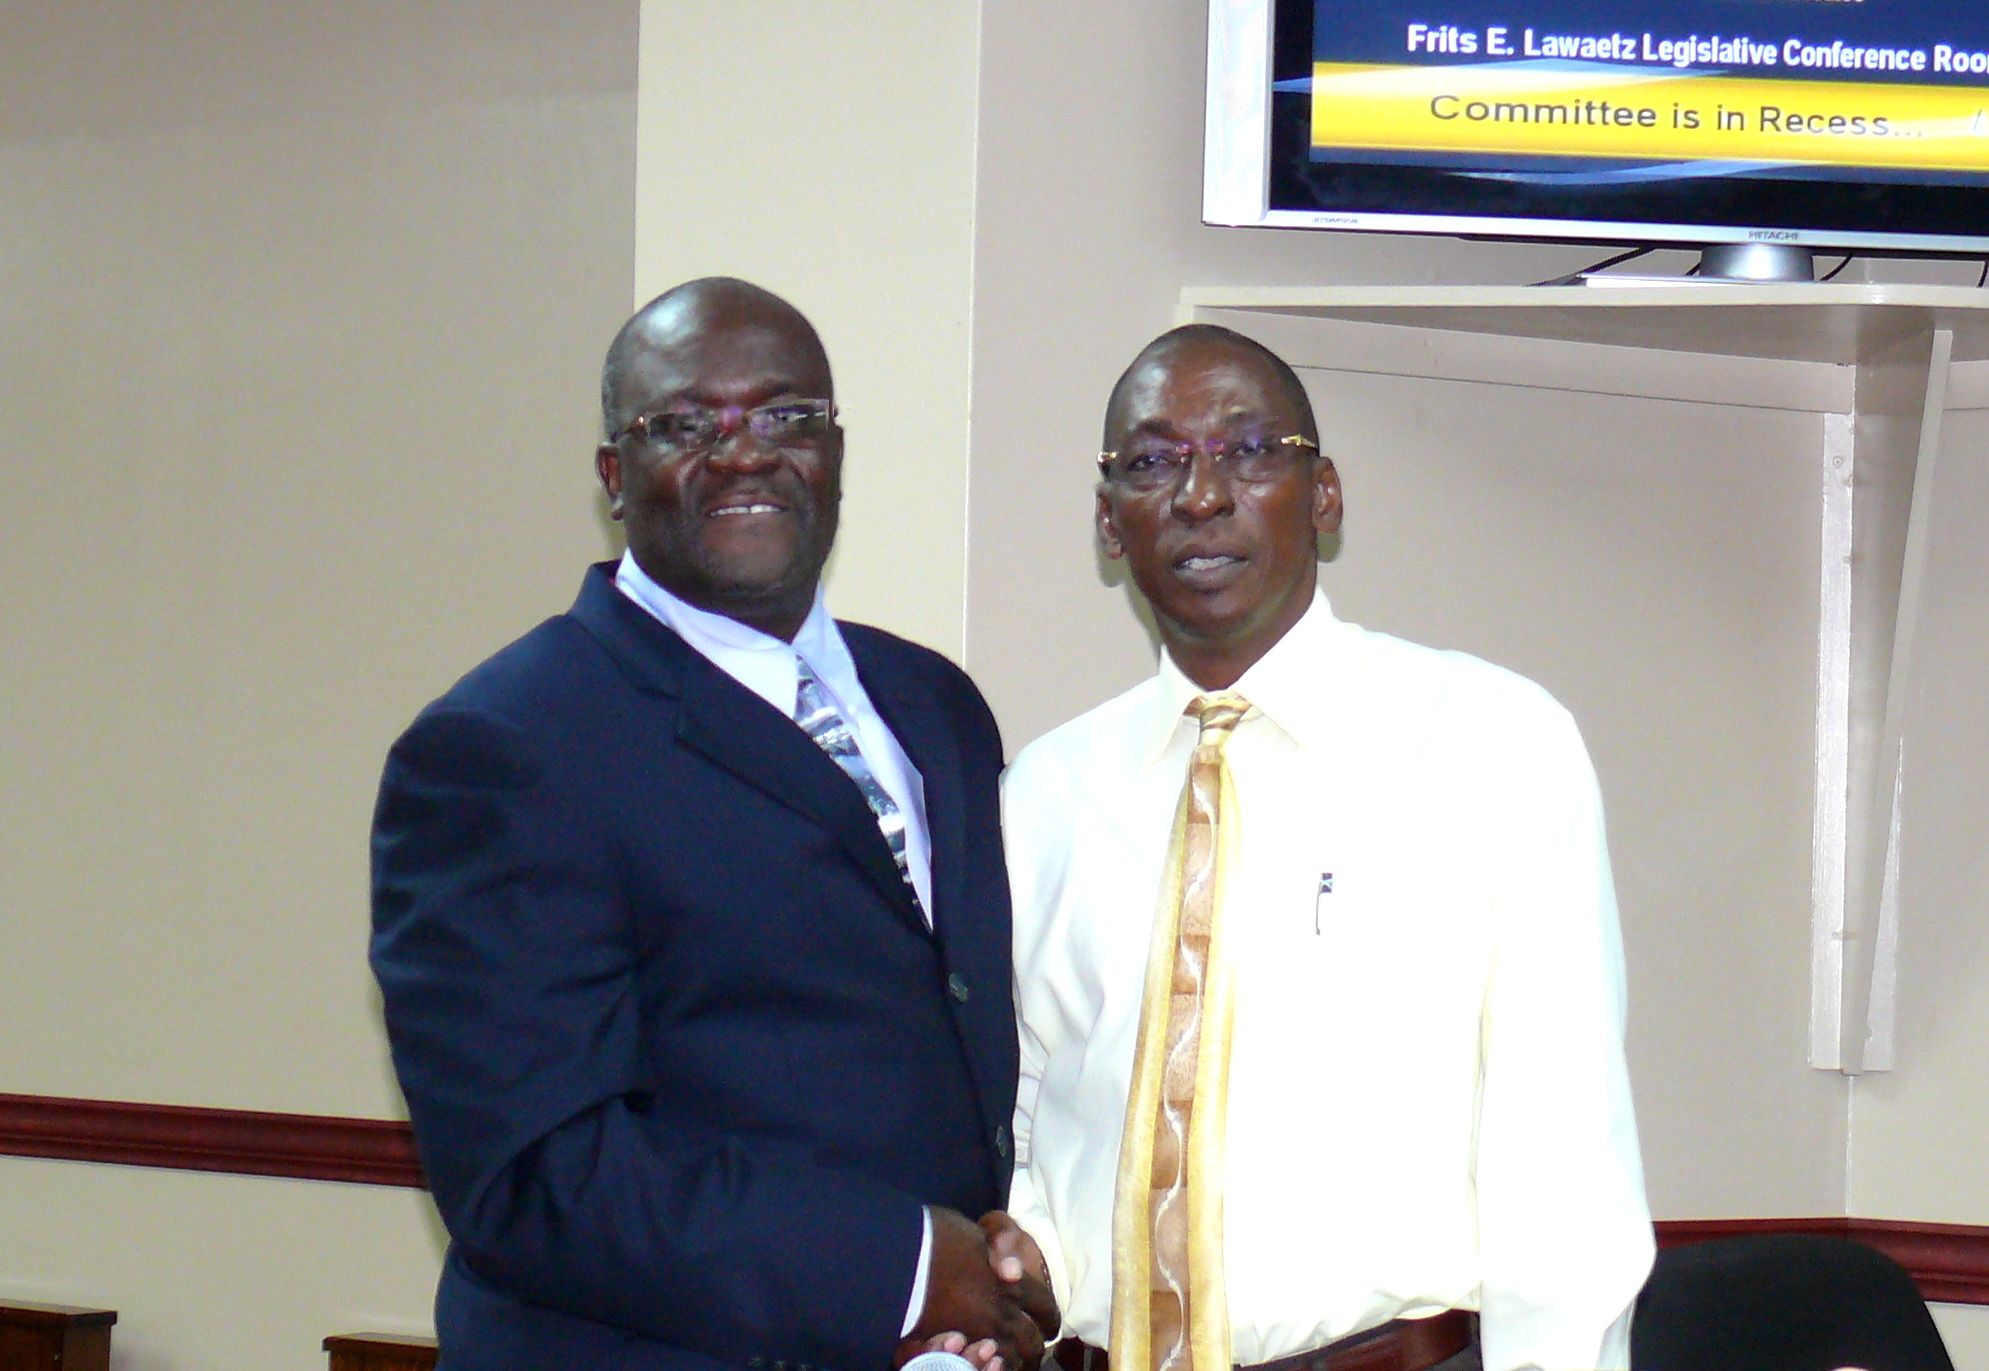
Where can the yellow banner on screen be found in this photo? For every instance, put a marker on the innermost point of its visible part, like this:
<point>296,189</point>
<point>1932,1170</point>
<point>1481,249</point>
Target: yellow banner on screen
<point>1588,112</point>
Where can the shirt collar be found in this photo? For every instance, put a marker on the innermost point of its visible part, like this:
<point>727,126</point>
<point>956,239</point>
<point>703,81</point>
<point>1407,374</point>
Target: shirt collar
<point>1290,685</point>
<point>703,629</point>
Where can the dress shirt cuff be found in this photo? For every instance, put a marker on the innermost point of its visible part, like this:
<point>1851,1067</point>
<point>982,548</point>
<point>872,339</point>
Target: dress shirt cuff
<point>917,1305</point>
<point>1030,1215</point>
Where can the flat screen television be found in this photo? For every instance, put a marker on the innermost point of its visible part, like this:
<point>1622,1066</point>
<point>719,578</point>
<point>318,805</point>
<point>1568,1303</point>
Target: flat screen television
<point>1846,125</point>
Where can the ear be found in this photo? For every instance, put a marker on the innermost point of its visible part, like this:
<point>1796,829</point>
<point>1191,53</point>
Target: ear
<point>608,466</point>
<point>1327,504</point>
<point>1108,528</point>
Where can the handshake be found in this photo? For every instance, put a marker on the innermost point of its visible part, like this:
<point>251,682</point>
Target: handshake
<point>987,1295</point>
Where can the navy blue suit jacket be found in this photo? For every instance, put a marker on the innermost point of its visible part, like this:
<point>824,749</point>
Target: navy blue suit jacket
<point>683,1061</point>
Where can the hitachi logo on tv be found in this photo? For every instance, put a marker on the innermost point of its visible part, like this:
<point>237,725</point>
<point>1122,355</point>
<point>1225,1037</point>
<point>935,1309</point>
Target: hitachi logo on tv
<point>1772,235</point>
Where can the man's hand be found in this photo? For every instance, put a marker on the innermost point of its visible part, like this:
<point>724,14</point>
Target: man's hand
<point>1018,1261</point>
<point>964,1295</point>
<point>982,1354</point>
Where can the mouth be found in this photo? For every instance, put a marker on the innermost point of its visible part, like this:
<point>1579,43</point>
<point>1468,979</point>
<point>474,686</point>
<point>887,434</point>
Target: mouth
<point>741,509</point>
<point>1209,570</point>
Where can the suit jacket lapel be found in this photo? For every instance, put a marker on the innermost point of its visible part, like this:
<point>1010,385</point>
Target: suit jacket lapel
<point>731,725</point>
<point>924,732</point>
<point>739,731</point>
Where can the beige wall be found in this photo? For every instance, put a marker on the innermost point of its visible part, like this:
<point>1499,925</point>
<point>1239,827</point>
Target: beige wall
<point>1965,1329</point>
<point>847,184</point>
<point>304,306</point>
<point>304,310</point>
<point>1917,1131</point>
<point>218,1273</point>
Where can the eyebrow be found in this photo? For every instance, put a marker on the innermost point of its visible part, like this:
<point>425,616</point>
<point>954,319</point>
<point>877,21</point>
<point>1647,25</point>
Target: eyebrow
<point>777,387</point>
<point>1160,424</point>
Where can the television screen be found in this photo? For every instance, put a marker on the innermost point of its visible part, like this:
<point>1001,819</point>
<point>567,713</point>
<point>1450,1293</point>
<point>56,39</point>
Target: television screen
<point>1848,124</point>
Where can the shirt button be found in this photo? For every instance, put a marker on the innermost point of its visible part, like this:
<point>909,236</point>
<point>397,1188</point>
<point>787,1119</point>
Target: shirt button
<point>1001,1141</point>
<point>956,987</point>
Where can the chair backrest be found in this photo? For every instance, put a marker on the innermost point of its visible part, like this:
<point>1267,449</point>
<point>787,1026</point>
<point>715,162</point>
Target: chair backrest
<point>1782,1302</point>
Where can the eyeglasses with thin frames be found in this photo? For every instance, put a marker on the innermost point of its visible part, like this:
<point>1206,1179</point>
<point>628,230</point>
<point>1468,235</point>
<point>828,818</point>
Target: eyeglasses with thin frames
<point>687,430</point>
<point>1149,464</point>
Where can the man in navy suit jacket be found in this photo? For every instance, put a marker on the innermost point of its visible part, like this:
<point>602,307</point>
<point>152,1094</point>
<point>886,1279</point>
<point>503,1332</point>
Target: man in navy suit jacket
<point>709,1051</point>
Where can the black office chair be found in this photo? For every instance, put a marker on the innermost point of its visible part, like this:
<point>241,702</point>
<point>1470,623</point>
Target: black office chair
<point>1782,1302</point>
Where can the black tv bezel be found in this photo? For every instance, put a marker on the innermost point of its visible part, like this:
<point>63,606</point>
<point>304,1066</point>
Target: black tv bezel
<point>1870,211</point>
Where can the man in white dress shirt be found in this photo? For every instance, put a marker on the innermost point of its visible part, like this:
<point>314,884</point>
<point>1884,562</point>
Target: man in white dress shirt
<point>1427,1106</point>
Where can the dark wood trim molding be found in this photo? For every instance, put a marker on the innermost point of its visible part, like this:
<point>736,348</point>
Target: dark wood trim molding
<point>246,1142</point>
<point>1948,1261</point>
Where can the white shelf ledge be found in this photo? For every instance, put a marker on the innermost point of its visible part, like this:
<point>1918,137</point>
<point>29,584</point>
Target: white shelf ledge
<point>1829,323</point>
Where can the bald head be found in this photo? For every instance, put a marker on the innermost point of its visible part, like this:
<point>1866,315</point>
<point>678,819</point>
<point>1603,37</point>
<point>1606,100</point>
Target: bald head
<point>693,308</point>
<point>1162,352</point>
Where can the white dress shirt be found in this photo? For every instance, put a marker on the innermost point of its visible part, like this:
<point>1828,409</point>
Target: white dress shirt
<point>770,669</point>
<point>1428,1102</point>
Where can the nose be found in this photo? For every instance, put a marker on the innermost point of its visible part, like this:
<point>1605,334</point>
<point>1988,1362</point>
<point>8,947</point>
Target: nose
<point>736,448</point>
<point>1204,492</point>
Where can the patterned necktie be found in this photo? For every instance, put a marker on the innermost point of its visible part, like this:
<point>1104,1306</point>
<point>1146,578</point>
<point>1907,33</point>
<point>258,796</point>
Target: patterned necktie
<point>819,720</point>
<point>1170,1311</point>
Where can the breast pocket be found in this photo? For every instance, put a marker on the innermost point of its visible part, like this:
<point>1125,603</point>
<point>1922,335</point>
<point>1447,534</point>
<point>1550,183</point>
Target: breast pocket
<point>1377,967</point>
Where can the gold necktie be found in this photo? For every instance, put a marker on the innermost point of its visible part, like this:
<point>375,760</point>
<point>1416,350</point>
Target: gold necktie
<point>1170,1311</point>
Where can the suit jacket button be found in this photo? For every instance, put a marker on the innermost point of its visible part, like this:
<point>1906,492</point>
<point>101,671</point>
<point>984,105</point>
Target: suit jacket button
<point>1001,1141</point>
<point>956,987</point>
